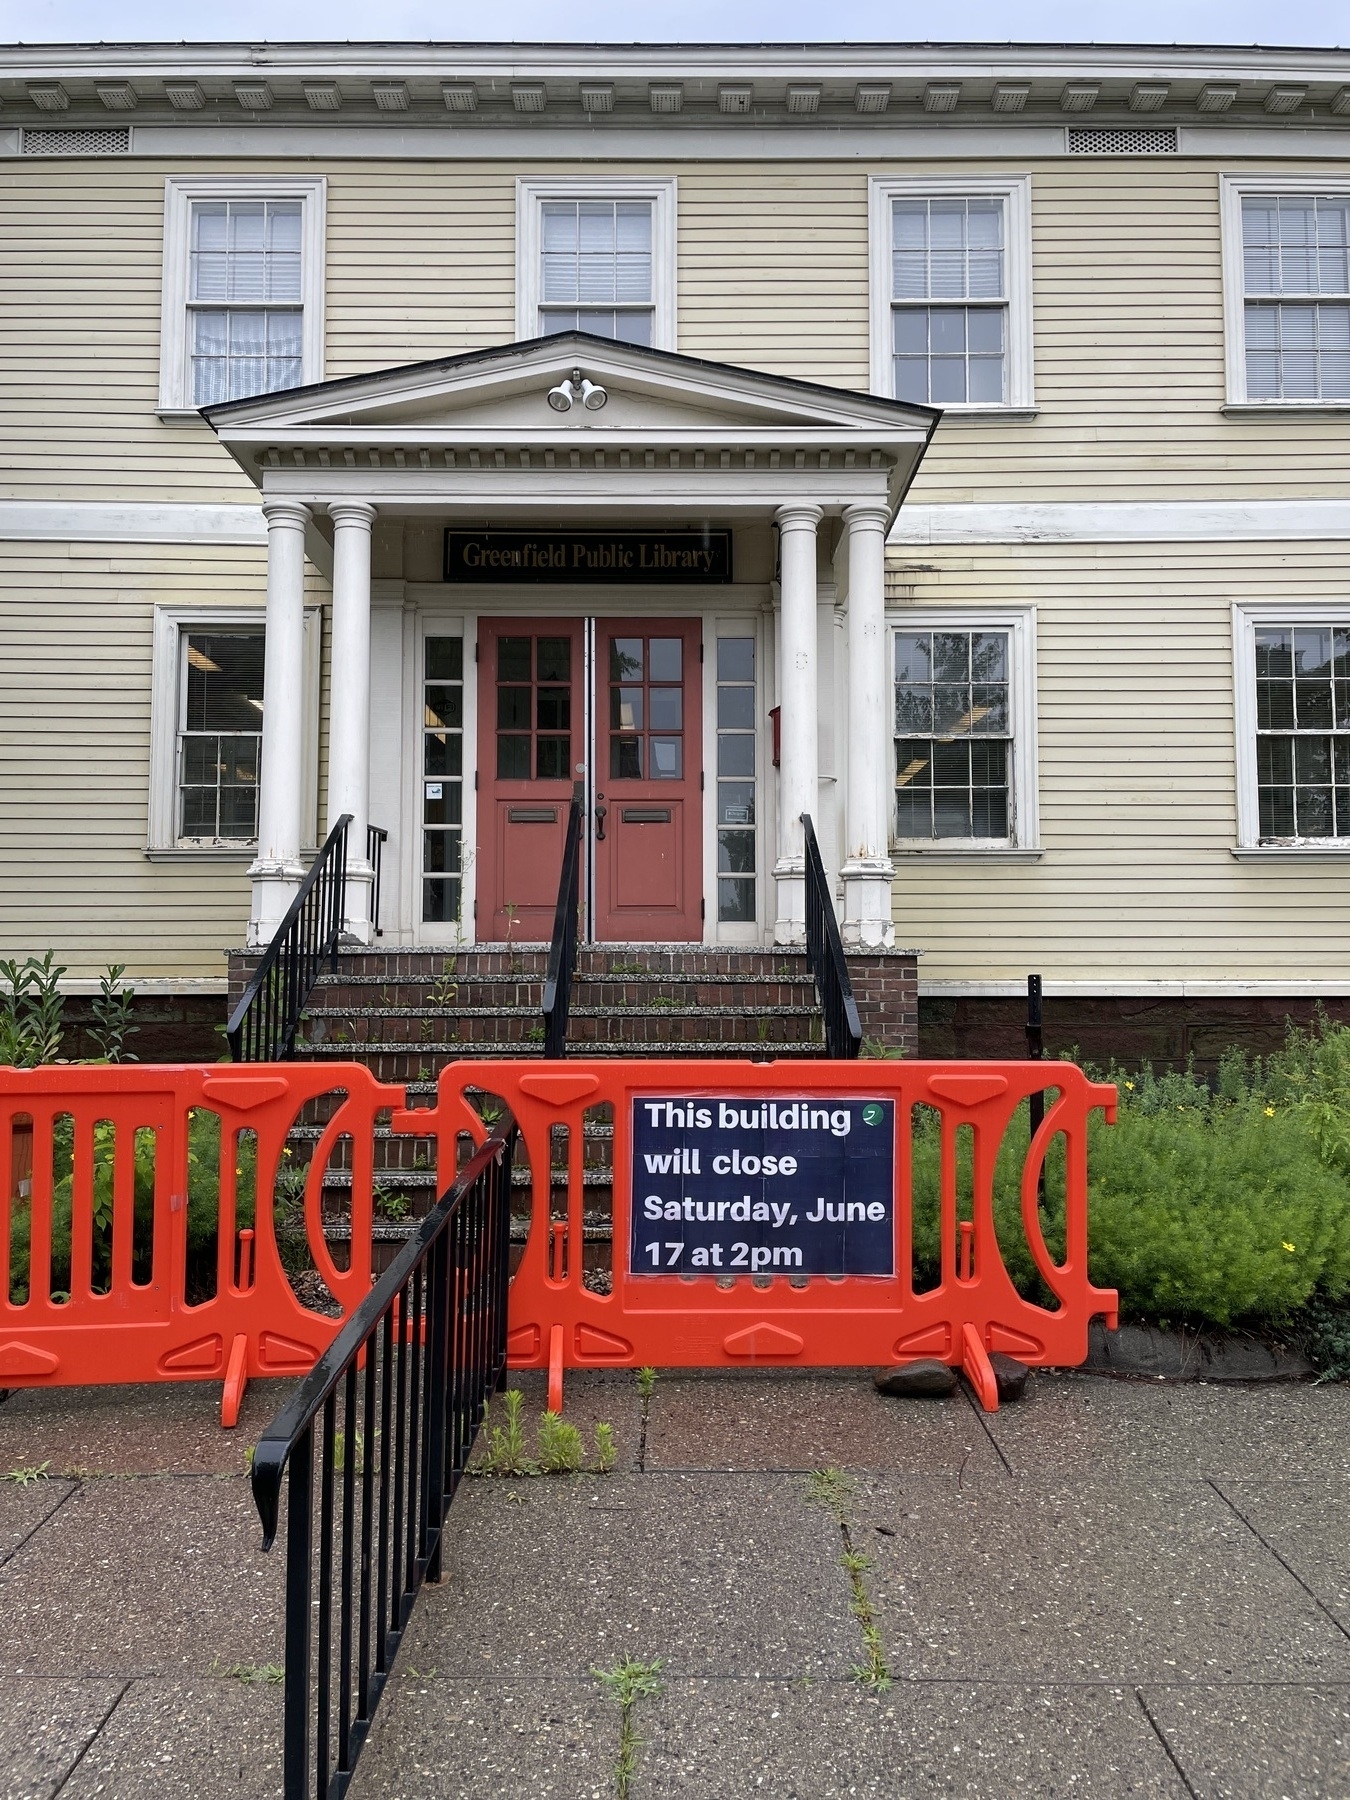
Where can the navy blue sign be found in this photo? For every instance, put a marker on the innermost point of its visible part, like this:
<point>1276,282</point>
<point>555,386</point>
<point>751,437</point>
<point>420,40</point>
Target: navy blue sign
<point>753,1186</point>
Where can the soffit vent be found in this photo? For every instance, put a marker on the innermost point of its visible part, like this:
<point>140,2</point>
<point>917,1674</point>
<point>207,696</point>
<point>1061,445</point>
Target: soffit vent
<point>106,140</point>
<point>1106,140</point>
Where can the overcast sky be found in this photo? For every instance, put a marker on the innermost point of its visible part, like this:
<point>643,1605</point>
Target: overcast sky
<point>688,21</point>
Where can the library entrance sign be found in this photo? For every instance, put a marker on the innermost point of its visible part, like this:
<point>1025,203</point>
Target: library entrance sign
<point>745,1185</point>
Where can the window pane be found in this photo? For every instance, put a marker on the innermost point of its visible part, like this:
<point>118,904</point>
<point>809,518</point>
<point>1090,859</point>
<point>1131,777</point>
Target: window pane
<point>736,901</point>
<point>736,659</point>
<point>625,759</point>
<point>445,659</point>
<point>667,659</point>
<point>736,852</point>
<point>625,659</point>
<point>735,753</point>
<point>625,708</point>
<point>735,709</point>
<point>667,758</point>
<point>735,802</point>
<point>667,708</point>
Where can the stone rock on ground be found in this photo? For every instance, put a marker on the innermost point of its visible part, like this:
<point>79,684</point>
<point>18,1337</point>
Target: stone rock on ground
<point>1009,1374</point>
<point>926,1378</point>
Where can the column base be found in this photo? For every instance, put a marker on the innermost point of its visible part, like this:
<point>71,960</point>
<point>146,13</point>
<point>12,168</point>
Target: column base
<point>275,882</point>
<point>867,922</point>
<point>790,878</point>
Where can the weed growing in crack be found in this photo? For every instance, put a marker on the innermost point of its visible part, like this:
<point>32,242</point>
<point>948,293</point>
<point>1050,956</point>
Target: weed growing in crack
<point>832,1489</point>
<point>26,1477</point>
<point>560,1447</point>
<point>506,1443</point>
<point>257,1674</point>
<point>605,1453</point>
<point>646,1382</point>
<point>628,1682</point>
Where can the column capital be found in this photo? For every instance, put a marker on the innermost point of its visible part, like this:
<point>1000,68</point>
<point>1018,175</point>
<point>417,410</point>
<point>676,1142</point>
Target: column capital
<point>799,515</point>
<point>865,514</point>
<point>286,512</point>
<point>352,512</point>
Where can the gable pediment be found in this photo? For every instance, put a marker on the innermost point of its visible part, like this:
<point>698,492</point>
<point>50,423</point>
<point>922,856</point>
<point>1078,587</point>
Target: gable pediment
<point>505,391</point>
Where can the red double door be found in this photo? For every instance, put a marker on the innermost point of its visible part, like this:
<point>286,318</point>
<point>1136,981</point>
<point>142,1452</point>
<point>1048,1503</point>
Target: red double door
<point>615,704</point>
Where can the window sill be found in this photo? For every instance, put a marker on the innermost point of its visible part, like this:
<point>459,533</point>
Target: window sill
<point>989,412</point>
<point>202,853</point>
<point>1292,852</point>
<point>1021,853</point>
<point>175,415</point>
<point>1255,409</point>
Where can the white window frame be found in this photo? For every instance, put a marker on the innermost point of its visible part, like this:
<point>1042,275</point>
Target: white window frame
<point>170,623</point>
<point>532,192</point>
<point>1232,190</point>
<point>180,192</point>
<point>1015,193</point>
<point>1019,622</point>
<point>1247,615</point>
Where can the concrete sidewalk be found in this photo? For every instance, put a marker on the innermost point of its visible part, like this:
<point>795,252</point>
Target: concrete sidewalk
<point>1110,1589</point>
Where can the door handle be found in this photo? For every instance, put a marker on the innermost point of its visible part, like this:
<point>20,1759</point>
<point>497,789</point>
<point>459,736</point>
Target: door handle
<point>600,812</point>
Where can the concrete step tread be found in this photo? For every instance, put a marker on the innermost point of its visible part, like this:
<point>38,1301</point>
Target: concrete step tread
<point>340,1179</point>
<point>592,978</point>
<point>471,1052</point>
<point>575,1012</point>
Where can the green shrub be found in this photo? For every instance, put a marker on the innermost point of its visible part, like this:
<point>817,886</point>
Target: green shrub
<point>1211,1206</point>
<point>202,1209</point>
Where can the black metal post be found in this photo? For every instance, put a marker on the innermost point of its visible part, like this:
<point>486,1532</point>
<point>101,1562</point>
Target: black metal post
<point>1036,1052</point>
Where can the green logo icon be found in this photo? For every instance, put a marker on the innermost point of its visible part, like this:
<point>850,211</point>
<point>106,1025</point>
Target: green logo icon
<point>873,1114</point>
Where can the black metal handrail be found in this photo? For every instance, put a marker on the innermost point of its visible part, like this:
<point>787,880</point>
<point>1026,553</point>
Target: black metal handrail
<point>395,1404</point>
<point>825,953</point>
<point>376,839</point>
<point>262,1027</point>
<point>562,951</point>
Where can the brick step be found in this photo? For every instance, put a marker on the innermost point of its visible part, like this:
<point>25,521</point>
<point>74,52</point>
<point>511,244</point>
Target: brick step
<point>404,1063</point>
<point>592,1175</point>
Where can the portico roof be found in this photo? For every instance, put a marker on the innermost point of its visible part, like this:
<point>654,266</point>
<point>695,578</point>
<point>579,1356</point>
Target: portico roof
<point>477,430</point>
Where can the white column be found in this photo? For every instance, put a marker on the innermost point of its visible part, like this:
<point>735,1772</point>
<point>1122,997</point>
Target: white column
<point>276,871</point>
<point>349,705</point>
<point>867,870</point>
<point>797,772</point>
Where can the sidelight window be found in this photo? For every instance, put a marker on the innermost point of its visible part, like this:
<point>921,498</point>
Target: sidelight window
<point>736,773</point>
<point>443,780</point>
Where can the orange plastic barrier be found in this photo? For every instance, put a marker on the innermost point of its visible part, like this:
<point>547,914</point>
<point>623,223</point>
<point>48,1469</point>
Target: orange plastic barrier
<point>719,1316</point>
<point>74,1161</point>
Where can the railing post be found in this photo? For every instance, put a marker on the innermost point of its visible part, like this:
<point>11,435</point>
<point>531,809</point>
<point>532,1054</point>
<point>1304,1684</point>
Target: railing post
<point>1036,1052</point>
<point>299,1556</point>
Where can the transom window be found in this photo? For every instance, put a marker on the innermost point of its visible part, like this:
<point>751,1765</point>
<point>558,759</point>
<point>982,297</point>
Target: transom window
<point>949,300</point>
<point>442,779</point>
<point>1296,296</point>
<point>596,269</point>
<point>219,735</point>
<point>954,736</point>
<point>244,298</point>
<point>646,709</point>
<point>1303,732</point>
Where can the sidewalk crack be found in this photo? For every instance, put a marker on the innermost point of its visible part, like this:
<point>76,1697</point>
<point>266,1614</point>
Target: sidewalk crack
<point>94,1735</point>
<point>832,1489</point>
<point>1287,1566</point>
<point>978,1411</point>
<point>1168,1751</point>
<point>46,1519</point>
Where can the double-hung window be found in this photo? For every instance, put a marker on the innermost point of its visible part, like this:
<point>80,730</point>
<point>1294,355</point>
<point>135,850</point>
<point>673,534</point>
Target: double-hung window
<point>951,293</point>
<point>964,733</point>
<point>1287,292</point>
<point>243,283</point>
<point>206,725</point>
<point>597,256</point>
<point>1293,718</point>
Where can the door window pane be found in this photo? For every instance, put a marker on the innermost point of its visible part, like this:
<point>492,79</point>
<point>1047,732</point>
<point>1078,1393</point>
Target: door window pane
<point>646,709</point>
<point>534,708</point>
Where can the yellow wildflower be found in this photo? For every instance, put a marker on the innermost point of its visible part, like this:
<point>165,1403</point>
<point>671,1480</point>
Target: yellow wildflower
<point>1286,1246</point>
<point>1270,1112</point>
<point>1130,1086</point>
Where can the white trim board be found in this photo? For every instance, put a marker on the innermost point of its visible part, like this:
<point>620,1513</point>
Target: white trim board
<point>1122,522</point>
<point>131,522</point>
<point>1202,988</point>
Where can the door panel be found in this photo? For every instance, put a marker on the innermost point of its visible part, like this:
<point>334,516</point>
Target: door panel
<point>531,736</point>
<point>648,765</point>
